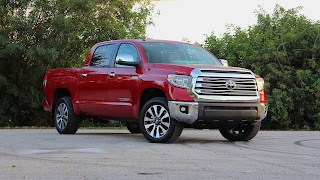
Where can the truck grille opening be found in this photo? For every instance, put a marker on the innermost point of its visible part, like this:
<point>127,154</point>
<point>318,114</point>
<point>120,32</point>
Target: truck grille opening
<point>226,86</point>
<point>230,108</point>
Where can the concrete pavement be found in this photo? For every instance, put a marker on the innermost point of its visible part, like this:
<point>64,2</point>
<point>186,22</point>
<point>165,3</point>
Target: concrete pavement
<point>117,154</point>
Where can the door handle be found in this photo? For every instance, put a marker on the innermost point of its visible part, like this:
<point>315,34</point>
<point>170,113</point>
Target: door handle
<point>83,75</point>
<point>111,74</point>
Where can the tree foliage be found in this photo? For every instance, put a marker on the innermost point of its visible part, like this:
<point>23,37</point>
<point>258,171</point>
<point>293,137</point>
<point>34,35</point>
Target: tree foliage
<point>36,35</point>
<point>284,48</point>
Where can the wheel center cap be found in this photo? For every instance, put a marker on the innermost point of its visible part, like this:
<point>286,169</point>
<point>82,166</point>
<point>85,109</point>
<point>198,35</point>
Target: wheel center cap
<point>157,121</point>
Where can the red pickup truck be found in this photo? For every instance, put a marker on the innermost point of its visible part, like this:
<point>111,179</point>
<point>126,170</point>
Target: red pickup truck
<point>158,88</point>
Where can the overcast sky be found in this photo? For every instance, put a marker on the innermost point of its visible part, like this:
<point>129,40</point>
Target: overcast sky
<point>192,19</point>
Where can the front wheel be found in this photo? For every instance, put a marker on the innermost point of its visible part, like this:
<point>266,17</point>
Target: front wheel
<point>241,133</point>
<point>156,124</point>
<point>65,119</point>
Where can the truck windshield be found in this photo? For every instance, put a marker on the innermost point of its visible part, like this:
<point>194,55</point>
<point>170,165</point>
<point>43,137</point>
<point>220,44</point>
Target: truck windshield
<point>176,53</point>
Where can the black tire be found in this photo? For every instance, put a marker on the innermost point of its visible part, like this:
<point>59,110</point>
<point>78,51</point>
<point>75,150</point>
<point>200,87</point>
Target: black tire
<point>133,127</point>
<point>161,128</point>
<point>65,120</point>
<point>241,133</point>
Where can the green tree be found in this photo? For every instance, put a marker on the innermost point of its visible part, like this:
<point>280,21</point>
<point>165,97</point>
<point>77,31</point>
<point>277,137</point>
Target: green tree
<point>284,48</point>
<point>36,35</point>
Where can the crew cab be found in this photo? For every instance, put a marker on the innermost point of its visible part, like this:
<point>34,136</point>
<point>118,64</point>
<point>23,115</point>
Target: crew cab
<point>158,88</point>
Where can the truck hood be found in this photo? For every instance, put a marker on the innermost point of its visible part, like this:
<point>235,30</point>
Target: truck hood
<point>186,69</point>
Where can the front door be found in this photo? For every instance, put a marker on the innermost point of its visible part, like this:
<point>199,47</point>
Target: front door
<point>123,84</point>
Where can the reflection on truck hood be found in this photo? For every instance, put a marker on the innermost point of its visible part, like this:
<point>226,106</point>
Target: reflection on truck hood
<point>187,68</point>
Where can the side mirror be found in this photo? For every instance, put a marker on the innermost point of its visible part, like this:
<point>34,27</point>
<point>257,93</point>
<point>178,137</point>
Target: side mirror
<point>224,62</point>
<point>126,59</point>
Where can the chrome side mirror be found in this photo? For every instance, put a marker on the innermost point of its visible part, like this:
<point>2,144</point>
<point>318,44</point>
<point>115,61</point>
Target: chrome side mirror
<point>126,59</point>
<point>224,62</point>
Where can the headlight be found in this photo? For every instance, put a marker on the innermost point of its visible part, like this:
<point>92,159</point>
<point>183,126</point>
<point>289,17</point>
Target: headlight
<point>179,81</point>
<point>260,83</point>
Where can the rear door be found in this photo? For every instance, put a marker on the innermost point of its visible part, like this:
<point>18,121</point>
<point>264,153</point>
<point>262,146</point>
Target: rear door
<point>123,85</point>
<point>93,82</point>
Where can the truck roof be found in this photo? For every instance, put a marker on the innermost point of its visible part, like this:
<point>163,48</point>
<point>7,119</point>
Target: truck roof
<point>147,40</point>
<point>143,40</point>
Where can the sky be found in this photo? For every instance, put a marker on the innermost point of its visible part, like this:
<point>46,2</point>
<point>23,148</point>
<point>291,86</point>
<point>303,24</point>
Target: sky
<point>192,19</point>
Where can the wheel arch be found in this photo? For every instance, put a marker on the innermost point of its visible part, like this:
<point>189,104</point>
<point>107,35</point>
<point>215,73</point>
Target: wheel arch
<point>148,94</point>
<point>59,93</point>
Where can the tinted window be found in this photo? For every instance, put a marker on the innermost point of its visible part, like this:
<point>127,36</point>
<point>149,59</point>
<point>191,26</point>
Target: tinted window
<point>176,53</point>
<point>128,49</point>
<point>101,57</point>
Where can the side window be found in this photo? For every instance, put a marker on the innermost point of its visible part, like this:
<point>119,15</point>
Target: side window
<point>127,49</point>
<point>101,56</point>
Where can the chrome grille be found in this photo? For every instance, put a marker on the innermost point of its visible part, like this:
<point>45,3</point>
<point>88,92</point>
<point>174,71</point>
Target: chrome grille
<point>217,86</point>
<point>224,71</point>
<point>223,85</point>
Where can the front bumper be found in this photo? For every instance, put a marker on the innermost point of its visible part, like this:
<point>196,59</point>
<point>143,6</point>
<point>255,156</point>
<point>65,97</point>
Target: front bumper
<point>190,112</point>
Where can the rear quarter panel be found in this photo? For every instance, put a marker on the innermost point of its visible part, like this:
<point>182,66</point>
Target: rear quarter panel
<point>63,78</point>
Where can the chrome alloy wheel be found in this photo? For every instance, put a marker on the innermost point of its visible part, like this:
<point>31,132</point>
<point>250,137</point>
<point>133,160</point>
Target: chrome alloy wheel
<point>62,116</point>
<point>157,121</point>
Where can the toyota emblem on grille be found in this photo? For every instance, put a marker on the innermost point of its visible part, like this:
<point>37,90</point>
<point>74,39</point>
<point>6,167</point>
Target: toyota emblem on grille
<point>230,84</point>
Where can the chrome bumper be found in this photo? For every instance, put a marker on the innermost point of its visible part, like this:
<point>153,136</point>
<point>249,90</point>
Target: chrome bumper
<point>192,113</point>
<point>190,117</point>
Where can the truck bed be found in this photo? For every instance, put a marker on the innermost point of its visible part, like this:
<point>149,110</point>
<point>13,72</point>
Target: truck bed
<point>62,78</point>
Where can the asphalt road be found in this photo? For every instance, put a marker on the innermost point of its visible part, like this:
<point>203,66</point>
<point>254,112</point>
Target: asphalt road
<point>117,154</point>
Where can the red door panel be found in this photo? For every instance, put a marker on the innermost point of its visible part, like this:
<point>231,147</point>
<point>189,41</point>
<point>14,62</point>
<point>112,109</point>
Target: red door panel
<point>122,92</point>
<point>92,91</point>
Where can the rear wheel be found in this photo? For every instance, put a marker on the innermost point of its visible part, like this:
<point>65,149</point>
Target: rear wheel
<point>65,120</point>
<point>133,127</point>
<point>241,133</point>
<point>156,124</point>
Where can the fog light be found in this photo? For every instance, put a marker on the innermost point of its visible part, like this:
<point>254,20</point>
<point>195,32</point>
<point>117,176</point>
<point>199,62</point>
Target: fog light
<point>184,109</point>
